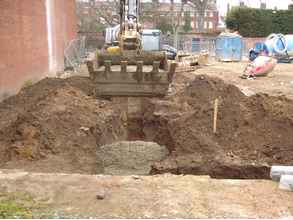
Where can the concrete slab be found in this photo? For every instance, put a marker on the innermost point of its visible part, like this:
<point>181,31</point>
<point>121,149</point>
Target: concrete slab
<point>162,196</point>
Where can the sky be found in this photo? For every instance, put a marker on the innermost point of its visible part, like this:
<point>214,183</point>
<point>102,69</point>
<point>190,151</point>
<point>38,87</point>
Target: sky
<point>222,4</point>
<point>280,4</point>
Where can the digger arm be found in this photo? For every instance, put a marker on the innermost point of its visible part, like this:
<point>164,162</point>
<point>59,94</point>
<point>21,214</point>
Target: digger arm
<point>128,29</point>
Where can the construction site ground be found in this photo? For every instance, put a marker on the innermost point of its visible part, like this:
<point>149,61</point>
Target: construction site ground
<point>57,126</point>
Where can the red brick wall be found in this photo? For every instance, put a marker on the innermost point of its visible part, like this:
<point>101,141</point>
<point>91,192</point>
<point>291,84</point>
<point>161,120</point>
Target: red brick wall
<point>23,43</point>
<point>24,40</point>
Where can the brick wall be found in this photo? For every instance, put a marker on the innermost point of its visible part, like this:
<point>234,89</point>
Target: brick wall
<point>24,40</point>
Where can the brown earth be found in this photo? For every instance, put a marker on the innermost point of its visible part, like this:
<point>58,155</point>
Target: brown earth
<point>56,126</point>
<point>253,132</point>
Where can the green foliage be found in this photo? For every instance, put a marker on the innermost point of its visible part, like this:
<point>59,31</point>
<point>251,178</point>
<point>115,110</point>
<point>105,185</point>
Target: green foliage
<point>251,22</point>
<point>9,210</point>
<point>100,27</point>
<point>27,83</point>
<point>20,205</point>
<point>15,206</point>
<point>187,22</point>
<point>164,25</point>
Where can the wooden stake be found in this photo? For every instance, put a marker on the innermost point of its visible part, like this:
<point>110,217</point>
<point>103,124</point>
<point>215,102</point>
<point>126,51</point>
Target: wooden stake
<point>215,115</point>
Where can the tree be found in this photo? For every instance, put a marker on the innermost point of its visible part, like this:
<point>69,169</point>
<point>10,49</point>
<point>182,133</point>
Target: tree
<point>187,22</point>
<point>200,6</point>
<point>251,22</point>
<point>95,16</point>
<point>108,12</point>
<point>176,20</point>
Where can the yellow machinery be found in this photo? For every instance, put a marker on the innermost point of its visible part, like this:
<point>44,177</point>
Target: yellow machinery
<point>123,68</point>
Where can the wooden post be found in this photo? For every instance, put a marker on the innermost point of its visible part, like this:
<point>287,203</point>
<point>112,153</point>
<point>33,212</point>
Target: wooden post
<point>215,115</point>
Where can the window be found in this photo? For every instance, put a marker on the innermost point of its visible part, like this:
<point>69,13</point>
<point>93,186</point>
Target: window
<point>241,4</point>
<point>211,25</point>
<point>206,25</point>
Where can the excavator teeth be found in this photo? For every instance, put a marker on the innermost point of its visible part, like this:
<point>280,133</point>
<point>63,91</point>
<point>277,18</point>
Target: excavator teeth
<point>172,70</point>
<point>155,72</point>
<point>139,71</point>
<point>143,75</point>
<point>107,68</point>
<point>123,65</point>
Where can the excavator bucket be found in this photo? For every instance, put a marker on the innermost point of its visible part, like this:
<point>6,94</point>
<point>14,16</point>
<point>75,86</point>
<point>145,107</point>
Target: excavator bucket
<point>147,74</point>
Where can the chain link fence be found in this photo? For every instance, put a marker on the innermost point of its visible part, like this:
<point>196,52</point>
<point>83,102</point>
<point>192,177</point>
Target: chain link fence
<point>78,49</point>
<point>194,45</point>
<point>75,53</point>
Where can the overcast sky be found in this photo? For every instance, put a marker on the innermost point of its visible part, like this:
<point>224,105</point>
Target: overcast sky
<point>222,4</point>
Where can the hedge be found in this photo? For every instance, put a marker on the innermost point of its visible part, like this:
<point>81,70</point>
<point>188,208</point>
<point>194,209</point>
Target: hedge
<point>251,22</point>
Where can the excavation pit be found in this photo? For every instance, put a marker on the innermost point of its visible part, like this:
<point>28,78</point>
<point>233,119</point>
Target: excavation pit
<point>58,126</point>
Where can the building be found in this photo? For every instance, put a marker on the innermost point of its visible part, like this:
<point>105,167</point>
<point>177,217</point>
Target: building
<point>107,13</point>
<point>225,5</point>
<point>33,36</point>
<point>211,15</point>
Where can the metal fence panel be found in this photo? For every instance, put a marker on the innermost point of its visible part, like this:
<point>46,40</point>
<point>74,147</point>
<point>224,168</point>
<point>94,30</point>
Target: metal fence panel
<point>75,53</point>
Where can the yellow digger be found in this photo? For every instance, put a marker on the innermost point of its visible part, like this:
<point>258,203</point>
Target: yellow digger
<point>132,63</point>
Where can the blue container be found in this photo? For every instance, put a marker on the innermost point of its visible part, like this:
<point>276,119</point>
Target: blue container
<point>229,47</point>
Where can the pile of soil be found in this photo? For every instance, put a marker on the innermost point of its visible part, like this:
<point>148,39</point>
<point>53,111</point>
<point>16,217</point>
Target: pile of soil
<point>57,125</point>
<point>253,132</point>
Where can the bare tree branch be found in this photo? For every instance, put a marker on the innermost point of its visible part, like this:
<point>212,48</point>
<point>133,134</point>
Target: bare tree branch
<point>201,7</point>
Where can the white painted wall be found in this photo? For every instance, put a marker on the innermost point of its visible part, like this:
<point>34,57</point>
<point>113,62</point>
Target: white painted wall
<point>49,8</point>
<point>50,17</point>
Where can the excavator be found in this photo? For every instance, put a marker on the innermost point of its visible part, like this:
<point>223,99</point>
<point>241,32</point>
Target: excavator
<point>132,63</point>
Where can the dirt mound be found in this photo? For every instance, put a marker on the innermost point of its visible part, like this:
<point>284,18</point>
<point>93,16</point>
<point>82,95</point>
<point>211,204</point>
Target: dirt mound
<point>129,158</point>
<point>55,126</point>
<point>253,132</point>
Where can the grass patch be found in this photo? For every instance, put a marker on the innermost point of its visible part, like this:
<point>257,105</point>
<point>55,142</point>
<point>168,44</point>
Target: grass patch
<point>20,205</point>
<point>10,209</point>
<point>27,83</point>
